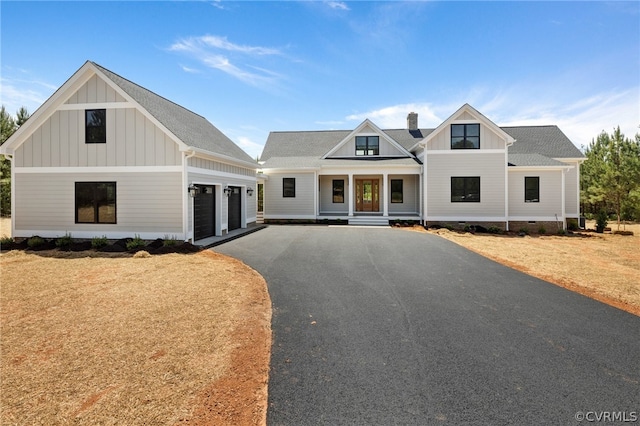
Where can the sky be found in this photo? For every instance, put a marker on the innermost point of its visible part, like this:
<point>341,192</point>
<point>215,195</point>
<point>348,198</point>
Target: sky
<point>255,67</point>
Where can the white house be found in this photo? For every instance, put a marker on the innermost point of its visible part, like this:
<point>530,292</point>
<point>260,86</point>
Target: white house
<point>106,157</point>
<point>466,171</point>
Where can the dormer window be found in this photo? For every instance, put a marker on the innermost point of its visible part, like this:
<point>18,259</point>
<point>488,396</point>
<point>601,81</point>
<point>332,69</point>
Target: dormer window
<point>465,136</point>
<point>367,145</point>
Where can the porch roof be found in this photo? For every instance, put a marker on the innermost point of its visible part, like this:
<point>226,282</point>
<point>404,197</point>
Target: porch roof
<point>318,163</point>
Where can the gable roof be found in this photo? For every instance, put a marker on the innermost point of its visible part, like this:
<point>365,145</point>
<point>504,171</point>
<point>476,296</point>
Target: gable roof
<point>367,123</point>
<point>191,129</point>
<point>549,141</point>
<point>533,160</point>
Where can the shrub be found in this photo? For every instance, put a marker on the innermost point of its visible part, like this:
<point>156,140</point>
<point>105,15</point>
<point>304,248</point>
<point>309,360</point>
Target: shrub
<point>170,241</point>
<point>99,242</point>
<point>64,242</point>
<point>469,228</point>
<point>601,221</point>
<point>449,227</point>
<point>562,232</point>
<point>542,230</point>
<point>135,243</point>
<point>494,230</point>
<point>35,242</point>
<point>524,231</point>
<point>6,240</point>
<point>572,224</point>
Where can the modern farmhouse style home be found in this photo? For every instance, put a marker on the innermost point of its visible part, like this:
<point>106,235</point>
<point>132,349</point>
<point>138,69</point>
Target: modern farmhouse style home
<point>106,157</point>
<point>466,171</point>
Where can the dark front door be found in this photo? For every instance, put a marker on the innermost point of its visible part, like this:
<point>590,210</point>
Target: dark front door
<point>235,208</point>
<point>204,212</point>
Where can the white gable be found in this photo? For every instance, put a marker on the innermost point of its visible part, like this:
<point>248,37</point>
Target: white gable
<point>387,146</point>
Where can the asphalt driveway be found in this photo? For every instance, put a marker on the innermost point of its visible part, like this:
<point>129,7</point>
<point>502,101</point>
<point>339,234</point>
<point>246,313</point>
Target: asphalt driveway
<point>384,326</point>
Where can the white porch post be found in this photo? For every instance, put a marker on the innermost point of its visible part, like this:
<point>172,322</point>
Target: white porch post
<point>385,195</point>
<point>564,200</point>
<point>352,193</point>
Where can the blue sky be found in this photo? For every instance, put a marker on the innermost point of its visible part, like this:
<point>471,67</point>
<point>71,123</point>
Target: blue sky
<point>255,67</point>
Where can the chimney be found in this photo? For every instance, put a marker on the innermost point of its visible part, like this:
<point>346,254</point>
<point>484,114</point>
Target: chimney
<point>412,121</point>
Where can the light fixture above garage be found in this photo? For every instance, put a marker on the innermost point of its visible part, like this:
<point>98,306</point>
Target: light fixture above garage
<point>227,191</point>
<point>193,190</point>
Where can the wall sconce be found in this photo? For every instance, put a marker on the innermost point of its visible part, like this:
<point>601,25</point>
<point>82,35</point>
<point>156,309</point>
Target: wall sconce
<point>250,191</point>
<point>193,190</point>
<point>227,191</point>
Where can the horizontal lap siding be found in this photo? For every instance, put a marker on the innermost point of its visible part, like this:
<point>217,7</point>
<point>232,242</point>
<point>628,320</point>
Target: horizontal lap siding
<point>145,202</point>
<point>326,195</point>
<point>550,202</point>
<point>571,194</point>
<point>275,205</point>
<point>411,196</point>
<point>491,169</point>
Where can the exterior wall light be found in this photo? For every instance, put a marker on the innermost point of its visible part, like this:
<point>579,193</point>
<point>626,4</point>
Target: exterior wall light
<point>250,191</point>
<point>227,191</point>
<point>193,190</point>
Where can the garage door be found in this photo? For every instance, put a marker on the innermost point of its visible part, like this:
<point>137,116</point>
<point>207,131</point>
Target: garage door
<point>204,211</point>
<point>235,208</point>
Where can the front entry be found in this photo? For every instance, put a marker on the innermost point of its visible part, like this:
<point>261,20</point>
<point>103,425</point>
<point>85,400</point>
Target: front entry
<point>235,208</point>
<point>367,195</point>
<point>204,208</point>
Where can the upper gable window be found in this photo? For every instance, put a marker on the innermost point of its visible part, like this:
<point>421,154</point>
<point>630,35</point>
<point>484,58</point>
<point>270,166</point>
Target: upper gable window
<point>367,145</point>
<point>96,126</point>
<point>465,136</point>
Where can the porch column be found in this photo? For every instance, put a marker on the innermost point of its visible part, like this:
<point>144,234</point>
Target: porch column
<point>351,193</point>
<point>385,195</point>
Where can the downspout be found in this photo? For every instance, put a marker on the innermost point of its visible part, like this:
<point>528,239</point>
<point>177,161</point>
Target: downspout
<point>185,199</point>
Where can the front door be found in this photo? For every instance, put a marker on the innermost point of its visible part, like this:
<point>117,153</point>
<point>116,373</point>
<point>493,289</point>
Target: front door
<point>367,195</point>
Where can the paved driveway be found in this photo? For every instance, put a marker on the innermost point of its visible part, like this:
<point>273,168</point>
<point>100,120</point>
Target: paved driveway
<point>386,326</point>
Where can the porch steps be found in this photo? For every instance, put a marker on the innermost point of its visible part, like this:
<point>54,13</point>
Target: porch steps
<point>369,221</point>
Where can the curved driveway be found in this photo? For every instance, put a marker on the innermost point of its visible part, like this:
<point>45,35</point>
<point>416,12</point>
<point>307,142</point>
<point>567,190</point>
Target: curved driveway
<point>392,327</point>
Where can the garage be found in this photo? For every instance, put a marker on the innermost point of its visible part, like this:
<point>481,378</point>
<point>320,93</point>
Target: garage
<point>204,212</point>
<point>235,208</point>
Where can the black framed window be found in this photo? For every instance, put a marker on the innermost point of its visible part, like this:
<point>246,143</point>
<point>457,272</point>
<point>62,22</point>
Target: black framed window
<point>532,189</point>
<point>367,145</point>
<point>96,126</point>
<point>396,191</point>
<point>95,202</point>
<point>288,187</point>
<point>338,190</point>
<point>465,136</point>
<point>465,189</point>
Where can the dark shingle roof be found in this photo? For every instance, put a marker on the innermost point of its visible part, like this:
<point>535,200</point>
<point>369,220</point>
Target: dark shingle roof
<point>544,140</point>
<point>191,128</point>
<point>528,160</point>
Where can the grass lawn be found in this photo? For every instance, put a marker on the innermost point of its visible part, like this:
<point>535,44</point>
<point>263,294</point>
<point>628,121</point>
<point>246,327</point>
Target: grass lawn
<point>605,267</point>
<point>116,339</point>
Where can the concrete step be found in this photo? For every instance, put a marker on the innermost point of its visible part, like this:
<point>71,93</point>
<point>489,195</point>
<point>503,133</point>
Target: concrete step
<point>369,221</point>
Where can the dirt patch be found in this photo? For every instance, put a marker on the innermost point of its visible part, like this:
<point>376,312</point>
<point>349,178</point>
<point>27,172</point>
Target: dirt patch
<point>605,267</point>
<point>113,339</point>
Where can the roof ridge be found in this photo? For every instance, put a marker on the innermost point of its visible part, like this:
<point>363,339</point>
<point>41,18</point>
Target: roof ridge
<point>144,88</point>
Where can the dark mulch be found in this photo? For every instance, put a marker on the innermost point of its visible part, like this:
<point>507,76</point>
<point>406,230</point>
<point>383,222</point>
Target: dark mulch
<point>120,246</point>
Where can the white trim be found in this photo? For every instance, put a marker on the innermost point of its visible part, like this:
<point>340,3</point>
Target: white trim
<point>111,235</point>
<point>364,157</point>
<point>96,105</point>
<point>565,159</point>
<point>208,155</point>
<point>534,219</point>
<point>506,187</point>
<point>537,168</point>
<point>358,132</point>
<point>466,151</point>
<point>106,169</point>
<point>466,219</point>
<point>564,200</point>
<point>209,172</point>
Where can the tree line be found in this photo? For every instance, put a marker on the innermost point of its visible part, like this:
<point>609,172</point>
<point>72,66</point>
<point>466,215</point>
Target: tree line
<point>8,125</point>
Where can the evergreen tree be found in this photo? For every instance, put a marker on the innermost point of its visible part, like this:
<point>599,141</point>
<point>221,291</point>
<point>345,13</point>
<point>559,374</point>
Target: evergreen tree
<point>7,126</point>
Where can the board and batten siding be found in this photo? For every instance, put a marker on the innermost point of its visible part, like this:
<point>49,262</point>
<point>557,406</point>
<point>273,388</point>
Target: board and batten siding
<point>302,206</point>
<point>488,139</point>
<point>147,203</point>
<point>218,166</point>
<point>410,194</point>
<point>95,90</point>
<point>385,148</point>
<point>132,140</point>
<point>489,167</point>
<point>550,203</point>
<point>326,195</point>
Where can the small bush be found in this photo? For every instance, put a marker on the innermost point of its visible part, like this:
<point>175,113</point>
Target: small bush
<point>494,230</point>
<point>35,242</point>
<point>524,231</point>
<point>6,240</point>
<point>469,228</point>
<point>64,242</point>
<point>135,243</point>
<point>449,227</point>
<point>98,242</point>
<point>562,232</point>
<point>170,241</point>
<point>601,221</point>
<point>572,224</point>
<point>542,230</point>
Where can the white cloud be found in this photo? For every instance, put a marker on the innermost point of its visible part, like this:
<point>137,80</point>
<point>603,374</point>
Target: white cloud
<point>337,5</point>
<point>23,91</point>
<point>250,147</point>
<point>395,117</point>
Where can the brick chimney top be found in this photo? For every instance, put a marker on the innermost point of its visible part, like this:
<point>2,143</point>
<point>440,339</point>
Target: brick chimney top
<point>412,121</point>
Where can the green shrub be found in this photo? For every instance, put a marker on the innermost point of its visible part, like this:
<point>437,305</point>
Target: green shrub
<point>572,224</point>
<point>468,228</point>
<point>6,240</point>
<point>64,242</point>
<point>35,242</point>
<point>137,242</point>
<point>449,227</point>
<point>542,230</point>
<point>170,241</point>
<point>524,231</point>
<point>494,230</point>
<point>562,232</point>
<point>601,221</point>
<point>99,242</point>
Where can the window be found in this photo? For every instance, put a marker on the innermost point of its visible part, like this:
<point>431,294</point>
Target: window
<point>367,145</point>
<point>96,126</point>
<point>465,136</point>
<point>338,190</point>
<point>396,191</point>
<point>465,189</point>
<point>95,202</point>
<point>289,187</point>
<point>532,189</point>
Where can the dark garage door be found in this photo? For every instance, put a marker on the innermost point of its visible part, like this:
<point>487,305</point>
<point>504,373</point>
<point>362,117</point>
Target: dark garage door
<point>235,208</point>
<point>204,212</point>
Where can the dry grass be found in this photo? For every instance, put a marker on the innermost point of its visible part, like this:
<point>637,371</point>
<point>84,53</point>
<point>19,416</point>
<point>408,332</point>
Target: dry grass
<point>5,227</point>
<point>124,340</point>
<point>605,267</point>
